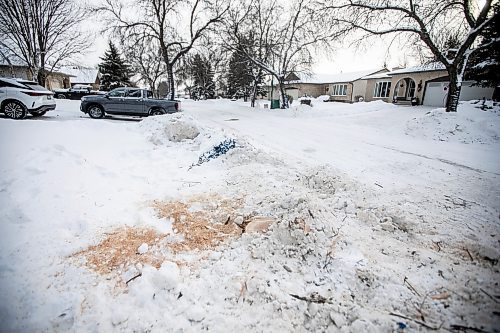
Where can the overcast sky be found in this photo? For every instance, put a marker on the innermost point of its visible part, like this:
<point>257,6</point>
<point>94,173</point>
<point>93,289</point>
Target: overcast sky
<point>342,60</point>
<point>347,59</point>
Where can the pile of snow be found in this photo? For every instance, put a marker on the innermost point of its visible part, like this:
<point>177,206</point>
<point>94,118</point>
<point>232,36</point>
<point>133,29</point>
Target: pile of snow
<point>175,128</point>
<point>469,125</point>
<point>322,98</point>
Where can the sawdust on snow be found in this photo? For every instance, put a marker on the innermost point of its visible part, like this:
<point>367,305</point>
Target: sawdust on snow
<point>202,221</point>
<point>202,228</point>
<point>119,249</point>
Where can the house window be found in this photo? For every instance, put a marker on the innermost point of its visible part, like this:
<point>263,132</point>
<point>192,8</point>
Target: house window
<point>339,90</point>
<point>382,89</point>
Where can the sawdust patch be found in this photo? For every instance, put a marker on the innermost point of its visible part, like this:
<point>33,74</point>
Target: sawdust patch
<point>204,221</point>
<point>119,250</point>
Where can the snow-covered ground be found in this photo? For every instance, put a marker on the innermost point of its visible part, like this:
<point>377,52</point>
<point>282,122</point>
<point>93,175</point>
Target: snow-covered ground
<point>382,218</point>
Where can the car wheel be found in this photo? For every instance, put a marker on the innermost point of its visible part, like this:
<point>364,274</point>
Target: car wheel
<point>14,110</point>
<point>61,96</point>
<point>38,113</point>
<point>156,112</point>
<point>95,111</point>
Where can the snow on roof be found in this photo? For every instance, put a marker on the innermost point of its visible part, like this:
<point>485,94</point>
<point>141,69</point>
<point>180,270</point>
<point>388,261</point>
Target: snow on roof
<point>376,76</point>
<point>81,74</point>
<point>433,66</point>
<point>340,77</point>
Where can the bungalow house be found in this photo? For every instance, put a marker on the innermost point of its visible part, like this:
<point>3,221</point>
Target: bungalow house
<point>425,84</point>
<point>342,87</point>
<point>83,76</point>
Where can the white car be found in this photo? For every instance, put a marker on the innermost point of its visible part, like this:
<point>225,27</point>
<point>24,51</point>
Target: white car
<point>19,97</point>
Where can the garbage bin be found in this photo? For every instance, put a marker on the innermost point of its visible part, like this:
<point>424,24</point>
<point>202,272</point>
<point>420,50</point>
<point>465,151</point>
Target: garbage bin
<point>275,104</point>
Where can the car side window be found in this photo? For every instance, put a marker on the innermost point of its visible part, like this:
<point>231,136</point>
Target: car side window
<point>149,94</point>
<point>136,93</point>
<point>117,93</point>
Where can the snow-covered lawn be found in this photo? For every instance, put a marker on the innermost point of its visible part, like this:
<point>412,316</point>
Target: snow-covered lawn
<point>382,218</point>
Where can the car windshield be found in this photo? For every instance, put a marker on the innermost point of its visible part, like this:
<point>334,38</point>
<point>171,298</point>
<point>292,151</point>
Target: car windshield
<point>35,86</point>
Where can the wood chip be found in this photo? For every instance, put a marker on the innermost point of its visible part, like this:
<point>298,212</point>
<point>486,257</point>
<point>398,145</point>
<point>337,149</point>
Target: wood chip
<point>259,224</point>
<point>443,295</point>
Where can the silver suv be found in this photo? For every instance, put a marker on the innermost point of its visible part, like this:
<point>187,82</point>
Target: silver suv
<point>127,102</point>
<point>19,97</point>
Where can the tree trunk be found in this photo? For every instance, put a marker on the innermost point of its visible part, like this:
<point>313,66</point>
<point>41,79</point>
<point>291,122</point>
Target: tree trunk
<point>42,74</point>
<point>151,86</point>
<point>283,98</point>
<point>171,87</point>
<point>453,91</point>
<point>254,94</point>
<point>41,77</point>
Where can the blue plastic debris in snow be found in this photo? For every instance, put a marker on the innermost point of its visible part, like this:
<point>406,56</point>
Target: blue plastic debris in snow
<point>401,325</point>
<point>217,151</point>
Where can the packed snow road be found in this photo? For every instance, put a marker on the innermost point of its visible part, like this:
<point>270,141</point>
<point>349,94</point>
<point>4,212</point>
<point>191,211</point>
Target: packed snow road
<point>379,218</point>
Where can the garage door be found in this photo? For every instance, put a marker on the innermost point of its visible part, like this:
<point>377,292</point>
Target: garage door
<point>435,94</point>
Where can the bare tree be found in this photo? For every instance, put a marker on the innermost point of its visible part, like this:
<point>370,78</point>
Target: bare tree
<point>433,23</point>
<point>165,22</point>
<point>284,36</point>
<point>42,33</point>
<point>144,56</point>
<point>249,33</point>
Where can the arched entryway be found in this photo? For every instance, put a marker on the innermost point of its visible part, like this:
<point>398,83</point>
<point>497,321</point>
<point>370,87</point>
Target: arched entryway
<point>404,89</point>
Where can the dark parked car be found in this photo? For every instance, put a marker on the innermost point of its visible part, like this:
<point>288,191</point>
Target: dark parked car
<point>127,102</point>
<point>76,92</point>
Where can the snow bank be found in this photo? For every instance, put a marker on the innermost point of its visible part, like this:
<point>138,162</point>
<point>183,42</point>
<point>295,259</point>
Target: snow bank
<point>175,128</point>
<point>469,125</point>
<point>181,130</point>
<point>323,98</point>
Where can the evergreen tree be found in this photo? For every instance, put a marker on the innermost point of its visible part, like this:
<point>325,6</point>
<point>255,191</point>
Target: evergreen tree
<point>239,78</point>
<point>114,71</point>
<point>202,75</point>
<point>484,63</point>
<point>244,78</point>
